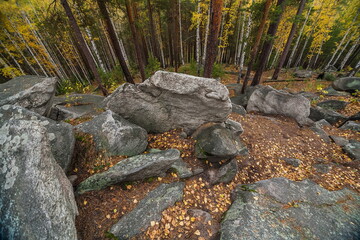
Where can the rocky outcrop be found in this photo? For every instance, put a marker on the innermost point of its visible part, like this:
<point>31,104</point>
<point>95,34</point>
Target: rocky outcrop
<point>132,169</point>
<point>283,209</point>
<point>271,101</point>
<point>36,198</point>
<point>303,74</point>
<point>217,142</point>
<point>171,100</point>
<point>75,106</point>
<point>31,92</point>
<point>347,84</point>
<point>148,210</point>
<point>318,113</point>
<point>115,135</point>
<point>60,134</point>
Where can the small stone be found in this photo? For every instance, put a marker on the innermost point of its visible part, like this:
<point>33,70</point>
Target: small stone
<point>293,161</point>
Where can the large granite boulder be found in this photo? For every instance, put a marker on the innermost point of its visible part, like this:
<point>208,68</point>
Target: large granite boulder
<point>148,210</point>
<point>318,113</point>
<point>60,134</point>
<point>115,135</point>
<point>132,169</point>
<point>282,209</point>
<point>36,198</point>
<point>32,92</point>
<point>271,101</point>
<point>303,74</point>
<point>171,100</point>
<point>217,142</point>
<point>75,106</point>
<point>347,84</point>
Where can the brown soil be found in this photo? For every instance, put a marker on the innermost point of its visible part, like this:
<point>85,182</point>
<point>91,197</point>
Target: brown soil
<point>269,140</point>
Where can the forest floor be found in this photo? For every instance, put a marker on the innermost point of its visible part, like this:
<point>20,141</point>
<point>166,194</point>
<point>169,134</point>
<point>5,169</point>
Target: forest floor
<point>269,139</point>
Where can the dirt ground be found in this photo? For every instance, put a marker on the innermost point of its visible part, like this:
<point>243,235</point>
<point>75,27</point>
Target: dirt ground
<point>269,139</point>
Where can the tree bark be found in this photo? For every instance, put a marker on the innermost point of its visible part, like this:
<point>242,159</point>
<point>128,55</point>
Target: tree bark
<point>82,45</point>
<point>198,43</point>
<point>255,47</point>
<point>180,35</point>
<point>268,43</point>
<point>136,39</point>
<point>349,54</point>
<point>154,43</point>
<point>289,40</point>
<point>114,41</point>
<point>212,42</point>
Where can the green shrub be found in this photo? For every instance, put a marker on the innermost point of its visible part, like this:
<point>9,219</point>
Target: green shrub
<point>329,77</point>
<point>190,68</point>
<point>152,67</point>
<point>218,71</point>
<point>113,78</point>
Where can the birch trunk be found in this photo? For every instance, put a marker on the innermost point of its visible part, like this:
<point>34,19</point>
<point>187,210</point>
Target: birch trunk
<point>181,38</point>
<point>198,43</point>
<point>242,55</point>
<point>342,50</point>
<point>349,54</point>
<point>12,57</point>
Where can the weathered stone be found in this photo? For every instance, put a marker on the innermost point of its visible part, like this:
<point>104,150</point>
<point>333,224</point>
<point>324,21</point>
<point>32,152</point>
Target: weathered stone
<point>171,100</point>
<point>242,99</point>
<point>347,84</point>
<point>75,106</point>
<point>238,109</point>
<point>293,161</point>
<point>31,92</point>
<point>333,104</point>
<point>115,135</point>
<point>355,117</point>
<point>182,169</point>
<point>206,230</point>
<point>339,140</point>
<point>309,95</point>
<point>330,91</point>
<point>303,74</point>
<point>60,135</point>
<point>351,125</point>
<point>216,143</point>
<point>283,209</point>
<point>319,131</point>
<point>353,149</point>
<point>36,198</point>
<point>234,126</point>
<point>148,210</point>
<point>270,101</point>
<point>322,123</point>
<point>225,173</point>
<point>131,169</point>
<point>322,167</point>
<point>318,113</point>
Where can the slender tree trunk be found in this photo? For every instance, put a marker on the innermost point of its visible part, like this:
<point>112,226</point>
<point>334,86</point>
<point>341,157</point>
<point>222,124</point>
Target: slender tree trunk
<point>216,11</point>
<point>161,44</point>
<point>154,43</point>
<point>256,45</point>
<point>198,42</point>
<point>3,62</point>
<point>244,45</point>
<point>342,50</point>
<point>355,70</point>
<point>298,61</point>
<point>289,40</point>
<point>206,35</point>
<point>268,43</point>
<point>114,41</point>
<point>175,33</point>
<point>93,46</point>
<point>12,57</point>
<point>136,39</point>
<point>298,40</point>
<point>180,35</point>
<point>337,49</point>
<point>346,58</point>
<point>82,45</point>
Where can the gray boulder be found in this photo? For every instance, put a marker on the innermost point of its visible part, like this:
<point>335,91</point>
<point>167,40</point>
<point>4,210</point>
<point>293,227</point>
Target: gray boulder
<point>271,101</point>
<point>351,125</point>
<point>225,173</point>
<point>340,141</point>
<point>242,99</point>
<point>60,134</point>
<point>309,95</point>
<point>355,117</point>
<point>36,198</point>
<point>283,209</point>
<point>330,91</point>
<point>318,113</point>
<point>149,209</point>
<point>115,135</point>
<point>353,149</point>
<point>132,169</point>
<point>171,100</point>
<point>333,104</point>
<point>322,123</point>
<point>303,74</point>
<point>317,127</point>
<point>32,92</point>
<point>238,109</point>
<point>182,169</point>
<point>293,161</point>
<point>217,142</point>
<point>234,126</point>
<point>347,84</point>
<point>75,106</point>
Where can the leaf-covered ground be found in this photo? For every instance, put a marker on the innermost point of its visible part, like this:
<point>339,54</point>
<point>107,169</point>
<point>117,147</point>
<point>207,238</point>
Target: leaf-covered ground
<point>269,140</point>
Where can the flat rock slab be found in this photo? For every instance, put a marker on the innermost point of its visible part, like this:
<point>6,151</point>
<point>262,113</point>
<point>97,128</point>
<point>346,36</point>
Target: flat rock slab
<point>171,100</point>
<point>75,106</point>
<point>303,74</point>
<point>353,149</point>
<point>36,198</point>
<point>330,91</point>
<point>333,104</point>
<point>149,209</point>
<point>60,134</point>
<point>318,113</point>
<point>282,209</point>
<point>115,135</point>
<point>32,92</point>
<point>348,84</point>
<point>132,169</point>
<point>351,125</point>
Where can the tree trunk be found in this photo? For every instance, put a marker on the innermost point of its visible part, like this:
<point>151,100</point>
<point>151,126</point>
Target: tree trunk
<point>198,43</point>
<point>349,54</point>
<point>114,41</point>
<point>12,57</point>
<point>82,45</point>
<point>212,43</point>
<point>136,39</point>
<point>289,40</point>
<point>175,33</point>
<point>268,43</point>
<point>342,50</point>
<point>154,43</point>
<point>255,47</point>
<point>244,45</point>
<point>206,35</point>
<point>180,35</point>
<point>355,70</point>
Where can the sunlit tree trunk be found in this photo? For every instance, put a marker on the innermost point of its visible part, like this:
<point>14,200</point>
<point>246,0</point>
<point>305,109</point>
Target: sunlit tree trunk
<point>198,43</point>
<point>351,50</point>
<point>243,48</point>
<point>12,57</point>
<point>342,50</point>
<point>355,70</point>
